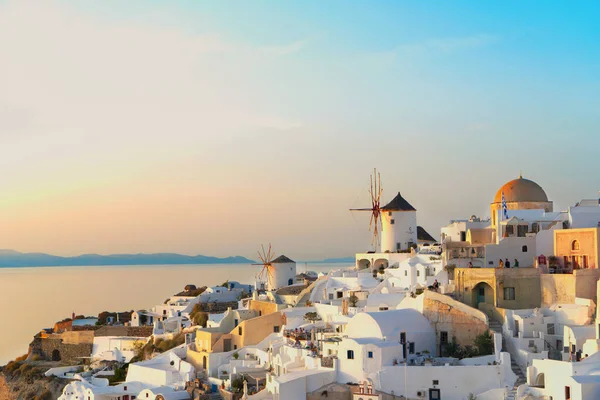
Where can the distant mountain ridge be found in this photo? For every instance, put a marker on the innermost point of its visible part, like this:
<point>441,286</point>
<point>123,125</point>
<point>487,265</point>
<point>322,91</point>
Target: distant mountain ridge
<point>12,258</point>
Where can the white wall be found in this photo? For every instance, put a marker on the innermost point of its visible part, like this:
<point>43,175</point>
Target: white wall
<point>403,231</point>
<point>511,248</point>
<point>280,275</point>
<point>455,382</point>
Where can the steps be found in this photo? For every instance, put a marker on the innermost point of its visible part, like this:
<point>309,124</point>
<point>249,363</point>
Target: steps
<point>511,395</point>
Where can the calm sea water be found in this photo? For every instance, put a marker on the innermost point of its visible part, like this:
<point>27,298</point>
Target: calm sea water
<point>35,298</point>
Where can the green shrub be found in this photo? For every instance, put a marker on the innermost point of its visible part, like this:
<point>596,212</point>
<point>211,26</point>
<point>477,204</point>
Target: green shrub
<point>484,343</point>
<point>237,384</point>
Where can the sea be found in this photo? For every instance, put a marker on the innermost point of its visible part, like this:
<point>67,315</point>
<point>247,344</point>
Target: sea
<point>35,298</point>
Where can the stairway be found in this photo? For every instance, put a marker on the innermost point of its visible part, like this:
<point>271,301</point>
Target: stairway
<point>520,379</point>
<point>511,395</point>
<point>214,396</point>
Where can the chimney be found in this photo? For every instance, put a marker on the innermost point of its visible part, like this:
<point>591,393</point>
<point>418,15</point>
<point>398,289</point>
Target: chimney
<point>370,388</point>
<point>73,316</point>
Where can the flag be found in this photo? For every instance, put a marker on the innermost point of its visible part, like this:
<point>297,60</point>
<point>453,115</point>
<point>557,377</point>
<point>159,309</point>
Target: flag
<point>504,208</point>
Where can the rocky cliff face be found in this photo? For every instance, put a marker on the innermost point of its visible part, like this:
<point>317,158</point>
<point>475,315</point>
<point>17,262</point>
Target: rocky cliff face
<point>21,380</point>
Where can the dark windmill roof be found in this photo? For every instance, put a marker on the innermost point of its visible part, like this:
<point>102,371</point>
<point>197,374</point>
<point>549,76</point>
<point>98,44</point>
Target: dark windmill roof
<point>282,260</point>
<point>399,203</point>
<point>423,235</point>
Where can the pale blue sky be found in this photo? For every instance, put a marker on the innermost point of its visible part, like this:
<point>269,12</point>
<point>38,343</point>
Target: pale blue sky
<point>210,127</point>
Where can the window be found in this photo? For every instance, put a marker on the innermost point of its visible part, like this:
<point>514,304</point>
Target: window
<point>575,245</point>
<point>510,230</point>
<point>240,331</point>
<point>411,348</point>
<point>125,388</point>
<point>509,293</point>
<point>260,313</point>
<point>535,228</point>
<point>491,263</point>
<point>392,221</point>
<point>403,337</point>
<point>235,322</point>
<point>550,329</point>
<point>383,308</point>
<point>340,295</point>
<point>531,343</point>
<point>524,249</point>
<point>235,346</point>
<point>370,354</point>
<point>330,296</point>
<point>405,272</point>
<point>164,312</point>
<point>418,273</point>
<point>276,329</point>
<point>436,382</point>
<point>443,338</point>
<point>350,355</point>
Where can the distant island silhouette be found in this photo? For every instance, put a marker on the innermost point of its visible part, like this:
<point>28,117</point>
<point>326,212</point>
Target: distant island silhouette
<point>12,258</point>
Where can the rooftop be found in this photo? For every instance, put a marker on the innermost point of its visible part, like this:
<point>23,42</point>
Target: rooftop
<point>399,203</point>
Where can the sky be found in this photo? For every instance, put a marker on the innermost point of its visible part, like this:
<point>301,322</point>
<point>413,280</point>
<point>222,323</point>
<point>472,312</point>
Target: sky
<point>210,127</point>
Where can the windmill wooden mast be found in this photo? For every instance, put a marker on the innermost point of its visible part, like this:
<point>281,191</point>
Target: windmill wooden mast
<point>266,258</point>
<point>375,191</point>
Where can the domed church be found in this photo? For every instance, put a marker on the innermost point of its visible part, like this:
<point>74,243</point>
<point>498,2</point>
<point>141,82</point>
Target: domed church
<point>519,194</point>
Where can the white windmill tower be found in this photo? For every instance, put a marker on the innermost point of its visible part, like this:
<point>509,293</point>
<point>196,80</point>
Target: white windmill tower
<point>276,273</point>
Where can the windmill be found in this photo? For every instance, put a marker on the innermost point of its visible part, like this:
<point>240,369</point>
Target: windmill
<point>266,258</point>
<point>375,191</point>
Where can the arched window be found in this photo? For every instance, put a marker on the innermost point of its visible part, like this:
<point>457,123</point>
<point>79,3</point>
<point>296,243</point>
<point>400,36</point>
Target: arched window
<point>290,281</point>
<point>575,245</point>
<point>350,354</point>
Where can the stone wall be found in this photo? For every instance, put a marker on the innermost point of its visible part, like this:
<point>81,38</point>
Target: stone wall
<point>459,321</point>
<point>119,330</point>
<point>79,337</point>
<point>56,350</point>
<point>219,307</point>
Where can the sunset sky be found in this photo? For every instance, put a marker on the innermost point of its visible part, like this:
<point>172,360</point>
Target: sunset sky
<point>210,127</point>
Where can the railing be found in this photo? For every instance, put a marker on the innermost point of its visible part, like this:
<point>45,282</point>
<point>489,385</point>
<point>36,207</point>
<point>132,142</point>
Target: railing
<point>553,352</point>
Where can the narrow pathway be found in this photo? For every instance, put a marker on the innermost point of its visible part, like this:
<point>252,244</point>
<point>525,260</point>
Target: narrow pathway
<point>497,327</point>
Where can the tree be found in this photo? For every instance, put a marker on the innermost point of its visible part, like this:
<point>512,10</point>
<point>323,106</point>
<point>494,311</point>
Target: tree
<point>237,384</point>
<point>484,343</point>
<point>312,316</point>
<point>353,300</point>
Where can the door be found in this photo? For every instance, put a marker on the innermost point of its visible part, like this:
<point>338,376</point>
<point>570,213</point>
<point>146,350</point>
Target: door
<point>226,345</point>
<point>435,394</point>
<point>443,343</point>
<point>567,393</point>
<point>481,295</point>
<point>516,328</point>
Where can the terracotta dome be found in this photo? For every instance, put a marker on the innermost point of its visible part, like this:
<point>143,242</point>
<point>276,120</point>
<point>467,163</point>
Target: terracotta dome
<point>521,190</point>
